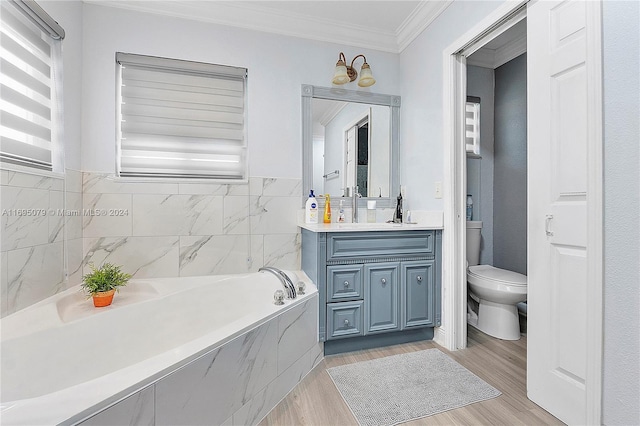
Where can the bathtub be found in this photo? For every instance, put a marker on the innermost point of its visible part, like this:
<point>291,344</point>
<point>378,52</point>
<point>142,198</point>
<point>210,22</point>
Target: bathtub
<point>63,361</point>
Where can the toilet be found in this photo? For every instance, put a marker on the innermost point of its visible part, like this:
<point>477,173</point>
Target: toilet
<point>497,291</point>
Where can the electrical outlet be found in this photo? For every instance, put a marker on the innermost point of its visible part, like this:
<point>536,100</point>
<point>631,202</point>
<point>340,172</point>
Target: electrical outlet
<point>438,189</point>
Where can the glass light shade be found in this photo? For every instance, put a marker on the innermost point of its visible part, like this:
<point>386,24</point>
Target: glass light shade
<point>366,78</point>
<point>340,75</point>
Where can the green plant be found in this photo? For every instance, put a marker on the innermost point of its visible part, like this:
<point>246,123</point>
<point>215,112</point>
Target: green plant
<point>107,277</point>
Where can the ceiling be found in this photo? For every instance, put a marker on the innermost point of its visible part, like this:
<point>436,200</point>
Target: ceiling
<point>375,24</point>
<point>505,47</point>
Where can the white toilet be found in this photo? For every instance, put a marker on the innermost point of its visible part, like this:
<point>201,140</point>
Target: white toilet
<point>496,290</point>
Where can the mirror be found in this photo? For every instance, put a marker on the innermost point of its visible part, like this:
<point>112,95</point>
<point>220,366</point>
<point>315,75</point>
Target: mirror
<point>350,138</point>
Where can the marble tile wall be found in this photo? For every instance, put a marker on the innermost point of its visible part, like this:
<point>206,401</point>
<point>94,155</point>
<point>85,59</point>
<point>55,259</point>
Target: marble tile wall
<point>188,229</point>
<point>40,244</point>
<point>152,229</point>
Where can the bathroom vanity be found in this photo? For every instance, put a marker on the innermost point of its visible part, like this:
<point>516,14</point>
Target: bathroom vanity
<point>378,284</point>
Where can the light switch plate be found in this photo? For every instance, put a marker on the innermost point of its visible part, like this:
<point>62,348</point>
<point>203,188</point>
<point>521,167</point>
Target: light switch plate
<point>438,189</point>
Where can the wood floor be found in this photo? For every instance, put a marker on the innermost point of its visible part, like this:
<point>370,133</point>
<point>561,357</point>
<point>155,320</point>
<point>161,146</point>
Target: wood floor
<point>316,401</point>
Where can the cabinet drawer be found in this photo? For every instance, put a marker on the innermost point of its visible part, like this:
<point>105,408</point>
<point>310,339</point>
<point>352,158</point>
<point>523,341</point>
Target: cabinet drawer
<point>344,319</point>
<point>344,282</point>
<point>384,243</point>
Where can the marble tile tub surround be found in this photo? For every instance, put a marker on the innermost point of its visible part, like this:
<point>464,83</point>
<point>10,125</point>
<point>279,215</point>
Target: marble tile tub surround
<point>238,383</point>
<point>167,229</point>
<point>37,237</point>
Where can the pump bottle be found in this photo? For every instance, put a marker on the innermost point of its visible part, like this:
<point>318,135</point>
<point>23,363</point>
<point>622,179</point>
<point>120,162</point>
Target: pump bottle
<point>311,209</point>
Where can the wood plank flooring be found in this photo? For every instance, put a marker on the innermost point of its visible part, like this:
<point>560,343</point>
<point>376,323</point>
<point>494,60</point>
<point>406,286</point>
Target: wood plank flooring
<point>316,401</point>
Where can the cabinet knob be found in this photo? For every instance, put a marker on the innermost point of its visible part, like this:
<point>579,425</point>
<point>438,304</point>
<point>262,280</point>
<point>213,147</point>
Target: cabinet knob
<point>346,323</point>
<point>383,281</point>
<point>346,283</point>
<point>419,278</point>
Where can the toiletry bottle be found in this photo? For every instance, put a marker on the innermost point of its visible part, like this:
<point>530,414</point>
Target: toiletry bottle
<point>371,211</point>
<point>311,209</point>
<point>327,209</point>
<point>398,215</point>
<point>469,207</point>
<point>341,213</point>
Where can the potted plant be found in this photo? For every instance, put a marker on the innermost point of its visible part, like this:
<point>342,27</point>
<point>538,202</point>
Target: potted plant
<point>102,283</point>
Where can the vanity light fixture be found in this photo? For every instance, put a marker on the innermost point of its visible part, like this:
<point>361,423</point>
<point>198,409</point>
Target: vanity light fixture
<point>345,73</point>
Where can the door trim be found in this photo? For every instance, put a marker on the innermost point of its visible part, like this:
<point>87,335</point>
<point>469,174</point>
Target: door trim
<point>453,333</point>
<point>595,216</point>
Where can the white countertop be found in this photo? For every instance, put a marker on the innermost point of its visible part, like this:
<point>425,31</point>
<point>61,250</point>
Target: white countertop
<point>424,220</point>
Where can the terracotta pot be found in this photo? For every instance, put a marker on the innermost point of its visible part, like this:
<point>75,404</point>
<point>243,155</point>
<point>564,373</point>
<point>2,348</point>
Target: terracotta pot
<point>103,298</point>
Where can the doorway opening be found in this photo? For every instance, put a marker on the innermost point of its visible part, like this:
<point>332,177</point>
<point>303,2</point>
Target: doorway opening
<point>496,175</point>
<point>565,103</point>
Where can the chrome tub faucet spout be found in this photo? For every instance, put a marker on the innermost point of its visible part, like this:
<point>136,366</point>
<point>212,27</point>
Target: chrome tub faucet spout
<point>284,279</point>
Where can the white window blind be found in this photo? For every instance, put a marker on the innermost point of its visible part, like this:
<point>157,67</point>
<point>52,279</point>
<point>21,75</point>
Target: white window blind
<point>472,127</point>
<point>29,92</point>
<point>181,119</point>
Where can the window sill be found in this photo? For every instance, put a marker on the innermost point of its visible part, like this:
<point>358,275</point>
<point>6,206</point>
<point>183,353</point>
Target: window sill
<point>31,171</point>
<point>178,180</point>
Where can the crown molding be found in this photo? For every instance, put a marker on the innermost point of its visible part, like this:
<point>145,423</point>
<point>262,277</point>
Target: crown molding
<point>265,19</point>
<point>421,17</point>
<point>257,18</point>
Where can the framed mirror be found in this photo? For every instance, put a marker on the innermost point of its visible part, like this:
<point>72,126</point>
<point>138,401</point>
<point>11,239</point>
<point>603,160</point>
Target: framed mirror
<point>350,138</point>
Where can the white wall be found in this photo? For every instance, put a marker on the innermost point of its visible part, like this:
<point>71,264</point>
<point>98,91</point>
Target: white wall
<point>621,384</point>
<point>422,152</point>
<point>278,66</point>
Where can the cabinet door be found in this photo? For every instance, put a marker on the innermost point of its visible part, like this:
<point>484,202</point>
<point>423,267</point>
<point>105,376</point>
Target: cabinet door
<point>344,282</point>
<point>382,292</point>
<point>418,295</point>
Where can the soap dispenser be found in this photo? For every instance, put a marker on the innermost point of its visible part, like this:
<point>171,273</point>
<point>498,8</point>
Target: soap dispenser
<point>397,217</point>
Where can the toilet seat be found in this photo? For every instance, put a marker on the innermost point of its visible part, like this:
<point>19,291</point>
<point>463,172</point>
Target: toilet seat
<point>488,273</point>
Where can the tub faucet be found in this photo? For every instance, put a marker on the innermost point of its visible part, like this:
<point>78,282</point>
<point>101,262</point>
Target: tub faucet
<point>354,204</point>
<point>284,279</point>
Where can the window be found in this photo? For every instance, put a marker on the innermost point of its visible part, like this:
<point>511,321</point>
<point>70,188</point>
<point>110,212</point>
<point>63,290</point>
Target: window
<point>180,119</point>
<point>472,126</point>
<point>31,87</point>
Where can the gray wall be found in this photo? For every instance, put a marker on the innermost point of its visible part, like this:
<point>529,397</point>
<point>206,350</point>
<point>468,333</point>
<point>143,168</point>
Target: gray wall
<point>480,170</point>
<point>621,386</point>
<point>510,166</point>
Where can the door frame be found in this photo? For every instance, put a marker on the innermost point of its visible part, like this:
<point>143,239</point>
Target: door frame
<point>453,333</point>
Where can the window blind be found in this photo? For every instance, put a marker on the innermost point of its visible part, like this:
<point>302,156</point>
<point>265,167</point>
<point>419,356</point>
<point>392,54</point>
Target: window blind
<point>472,127</point>
<point>28,89</point>
<point>181,118</point>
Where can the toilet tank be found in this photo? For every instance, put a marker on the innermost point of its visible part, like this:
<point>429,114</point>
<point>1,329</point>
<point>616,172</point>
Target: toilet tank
<point>474,236</point>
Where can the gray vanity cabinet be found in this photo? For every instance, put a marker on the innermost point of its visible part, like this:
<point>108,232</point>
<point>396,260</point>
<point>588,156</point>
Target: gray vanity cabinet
<point>375,287</point>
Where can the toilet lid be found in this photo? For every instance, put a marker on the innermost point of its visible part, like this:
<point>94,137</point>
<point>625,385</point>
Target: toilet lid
<point>489,272</point>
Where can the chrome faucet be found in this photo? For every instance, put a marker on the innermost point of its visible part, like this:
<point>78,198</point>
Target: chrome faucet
<point>284,279</point>
<point>354,204</point>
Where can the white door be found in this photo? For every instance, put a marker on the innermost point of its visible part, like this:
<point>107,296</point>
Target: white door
<point>350,157</point>
<point>560,88</point>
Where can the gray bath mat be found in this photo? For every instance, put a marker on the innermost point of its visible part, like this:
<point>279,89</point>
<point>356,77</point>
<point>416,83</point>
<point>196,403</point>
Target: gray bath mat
<point>399,388</point>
